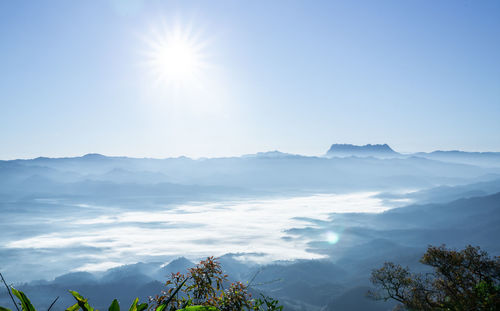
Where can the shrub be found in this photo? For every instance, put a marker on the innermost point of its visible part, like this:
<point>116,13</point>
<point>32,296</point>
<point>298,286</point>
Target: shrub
<point>204,285</point>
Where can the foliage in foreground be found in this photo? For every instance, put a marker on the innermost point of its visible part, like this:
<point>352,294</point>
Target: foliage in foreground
<point>462,280</point>
<point>201,289</point>
<point>204,285</point>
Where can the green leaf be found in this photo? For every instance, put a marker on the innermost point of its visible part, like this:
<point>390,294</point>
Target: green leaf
<point>4,309</point>
<point>133,307</point>
<point>114,306</point>
<point>77,296</point>
<point>82,302</point>
<point>73,307</point>
<point>161,307</point>
<point>25,302</point>
<point>199,308</point>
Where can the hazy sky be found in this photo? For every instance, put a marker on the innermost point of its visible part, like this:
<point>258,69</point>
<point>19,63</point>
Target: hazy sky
<point>246,76</point>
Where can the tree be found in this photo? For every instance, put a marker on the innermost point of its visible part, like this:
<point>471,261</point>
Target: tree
<point>461,280</point>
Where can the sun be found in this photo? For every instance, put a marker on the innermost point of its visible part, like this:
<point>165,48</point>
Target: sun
<point>175,55</point>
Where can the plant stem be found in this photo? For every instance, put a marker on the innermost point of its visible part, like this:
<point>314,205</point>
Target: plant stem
<point>8,290</point>
<point>53,302</point>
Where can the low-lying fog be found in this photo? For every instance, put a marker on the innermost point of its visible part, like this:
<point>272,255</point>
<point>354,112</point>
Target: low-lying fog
<point>92,238</point>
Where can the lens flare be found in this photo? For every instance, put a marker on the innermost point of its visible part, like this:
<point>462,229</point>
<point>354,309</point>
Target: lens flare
<point>332,238</point>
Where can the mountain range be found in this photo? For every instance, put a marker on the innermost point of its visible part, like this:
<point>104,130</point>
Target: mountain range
<point>450,197</point>
<point>484,159</point>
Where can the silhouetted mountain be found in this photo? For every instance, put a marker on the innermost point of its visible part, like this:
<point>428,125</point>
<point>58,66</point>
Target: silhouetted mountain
<point>483,159</point>
<point>267,172</point>
<point>270,154</point>
<point>348,150</point>
<point>180,264</point>
<point>444,194</point>
<point>76,278</point>
<point>139,272</point>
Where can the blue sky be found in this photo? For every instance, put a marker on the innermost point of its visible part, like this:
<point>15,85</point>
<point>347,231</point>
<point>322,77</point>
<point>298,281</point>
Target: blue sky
<point>295,76</point>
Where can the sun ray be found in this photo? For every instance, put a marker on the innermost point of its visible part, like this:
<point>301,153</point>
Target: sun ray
<point>176,55</point>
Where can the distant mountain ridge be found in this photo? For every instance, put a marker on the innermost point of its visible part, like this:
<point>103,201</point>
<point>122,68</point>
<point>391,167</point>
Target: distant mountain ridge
<point>345,150</point>
<point>335,150</point>
<point>383,151</point>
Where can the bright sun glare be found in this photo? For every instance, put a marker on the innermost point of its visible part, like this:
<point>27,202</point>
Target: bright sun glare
<point>175,55</point>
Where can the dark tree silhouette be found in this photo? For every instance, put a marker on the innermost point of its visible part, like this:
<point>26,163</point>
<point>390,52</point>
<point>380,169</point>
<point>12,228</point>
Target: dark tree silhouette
<point>461,280</point>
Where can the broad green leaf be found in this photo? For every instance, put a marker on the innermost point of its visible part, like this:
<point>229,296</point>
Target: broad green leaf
<point>4,309</point>
<point>25,302</point>
<point>142,307</point>
<point>114,306</point>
